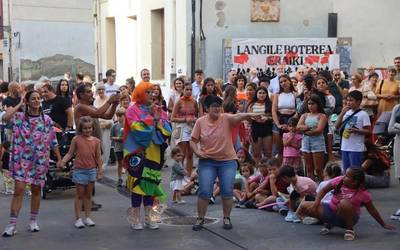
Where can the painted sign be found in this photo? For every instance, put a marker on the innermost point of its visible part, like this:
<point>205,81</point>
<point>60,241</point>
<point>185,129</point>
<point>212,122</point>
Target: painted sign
<point>292,52</point>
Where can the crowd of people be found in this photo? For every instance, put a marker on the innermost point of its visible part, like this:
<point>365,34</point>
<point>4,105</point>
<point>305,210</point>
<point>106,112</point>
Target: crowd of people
<point>255,141</point>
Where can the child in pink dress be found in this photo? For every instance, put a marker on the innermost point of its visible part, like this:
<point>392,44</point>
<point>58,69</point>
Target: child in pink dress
<point>291,150</point>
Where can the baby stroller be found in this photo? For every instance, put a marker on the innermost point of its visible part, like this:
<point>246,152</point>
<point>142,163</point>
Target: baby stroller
<point>384,140</point>
<point>57,179</point>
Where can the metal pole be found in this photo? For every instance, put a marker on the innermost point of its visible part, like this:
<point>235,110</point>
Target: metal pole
<point>193,41</point>
<point>10,69</point>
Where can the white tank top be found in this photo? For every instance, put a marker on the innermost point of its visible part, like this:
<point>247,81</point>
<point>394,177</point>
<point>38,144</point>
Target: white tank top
<point>286,101</point>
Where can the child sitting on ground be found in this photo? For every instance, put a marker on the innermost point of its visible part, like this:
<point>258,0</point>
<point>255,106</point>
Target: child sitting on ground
<point>292,144</point>
<point>304,188</point>
<point>256,185</point>
<point>343,210</point>
<point>246,171</point>
<point>273,184</point>
<point>177,175</point>
<point>191,184</point>
<point>331,170</point>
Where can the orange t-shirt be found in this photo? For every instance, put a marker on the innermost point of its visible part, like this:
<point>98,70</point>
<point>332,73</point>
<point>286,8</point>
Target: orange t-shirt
<point>241,96</point>
<point>215,137</point>
<point>85,152</point>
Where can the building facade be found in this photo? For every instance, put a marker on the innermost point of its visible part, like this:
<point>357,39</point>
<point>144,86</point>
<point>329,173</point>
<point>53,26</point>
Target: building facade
<point>157,34</point>
<point>46,38</point>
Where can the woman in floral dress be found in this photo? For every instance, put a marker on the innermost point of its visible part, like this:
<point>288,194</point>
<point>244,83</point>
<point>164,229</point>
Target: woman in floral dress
<point>32,139</point>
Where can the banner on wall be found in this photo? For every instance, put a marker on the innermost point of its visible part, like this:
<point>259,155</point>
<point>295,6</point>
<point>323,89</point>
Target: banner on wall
<point>293,52</point>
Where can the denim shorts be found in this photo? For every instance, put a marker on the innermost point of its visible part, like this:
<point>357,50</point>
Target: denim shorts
<point>313,144</point>
<point>209,170</point>
<point>331,217</point>
<point>84,176</point>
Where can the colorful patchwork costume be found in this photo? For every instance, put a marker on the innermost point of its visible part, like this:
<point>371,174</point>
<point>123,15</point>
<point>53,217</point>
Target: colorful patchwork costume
<point>32,140</point>
<point>143,139</point>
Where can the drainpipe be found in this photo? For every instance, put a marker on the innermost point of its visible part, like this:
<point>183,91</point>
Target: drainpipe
<point>193,41</point>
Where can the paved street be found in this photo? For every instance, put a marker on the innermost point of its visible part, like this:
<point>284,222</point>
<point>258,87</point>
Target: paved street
<point>252,229</point>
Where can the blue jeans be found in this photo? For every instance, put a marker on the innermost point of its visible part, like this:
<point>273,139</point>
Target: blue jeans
<point>84,176</point>
<point>210,169</point>
<point>351,159</point>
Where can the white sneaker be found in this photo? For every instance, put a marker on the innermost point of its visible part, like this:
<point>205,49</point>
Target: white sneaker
<point>182,202</point>
<point>88,222</point>
<point>151,225</point>
<point>310,220</point>
<point>396,216</point>
<point>10,230</point>
<point>33,226</point>
<point>138,226</point>
<point>79,223</point>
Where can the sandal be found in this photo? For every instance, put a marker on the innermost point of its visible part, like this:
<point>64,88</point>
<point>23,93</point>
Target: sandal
<point>198,225</point>
<point>325,229</point>
<point>349,235</point>
<point>227,223</point>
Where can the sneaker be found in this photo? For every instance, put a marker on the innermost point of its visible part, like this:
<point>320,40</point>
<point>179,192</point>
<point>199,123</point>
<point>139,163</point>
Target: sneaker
<point>296,219</point>
<point>137,226</point>
<point>292,217</point>
<point>283,211</point>
<point>396,216</point>
<point>198,225</point>
<point>250,204</point>
<point>181,202</point>
<point>88,222</point>
<point>33,226</point>
<point>119,183</point>
<point>310,221</point>
<point>241,204</point>
<point>227,223</point>
<point>212,200</point>
<point>10,230</point>
<point>151,225</point>
<point>79,223</point>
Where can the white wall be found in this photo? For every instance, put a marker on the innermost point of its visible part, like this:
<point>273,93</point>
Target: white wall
<point>373,25</point>
<point>133,37</point>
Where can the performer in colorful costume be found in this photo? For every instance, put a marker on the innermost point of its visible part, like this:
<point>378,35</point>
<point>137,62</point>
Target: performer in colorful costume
<point>146,129</point>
